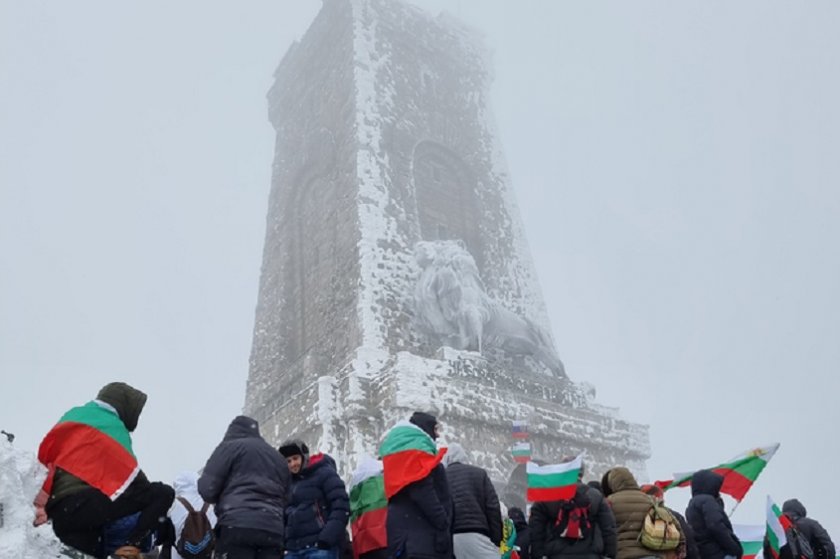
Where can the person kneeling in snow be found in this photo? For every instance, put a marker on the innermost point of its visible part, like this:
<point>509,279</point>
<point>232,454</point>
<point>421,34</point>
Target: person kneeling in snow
<point>95,491</point>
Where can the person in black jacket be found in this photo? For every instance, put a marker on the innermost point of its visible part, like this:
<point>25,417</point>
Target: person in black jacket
<point>247,482</point>
<point>523,537</point>
<point>810,529</point>
<point>712,529</point>
<point>420,515</point>
<point>594,539</point>
<point>689,543</point>
<point>477,529</point>
<point>318,508</point>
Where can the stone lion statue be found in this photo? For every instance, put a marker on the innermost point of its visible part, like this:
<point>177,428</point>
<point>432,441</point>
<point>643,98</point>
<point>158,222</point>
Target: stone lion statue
<point>450,302</point>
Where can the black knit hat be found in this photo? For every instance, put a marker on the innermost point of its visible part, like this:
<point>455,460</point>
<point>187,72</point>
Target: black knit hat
<point>294,447</point>
<point>426,422</point>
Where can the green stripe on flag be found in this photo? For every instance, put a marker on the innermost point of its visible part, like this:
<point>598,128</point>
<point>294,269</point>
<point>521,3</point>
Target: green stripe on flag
<point>405,436</point>
<point>101,419</point>
<point>367,496</point>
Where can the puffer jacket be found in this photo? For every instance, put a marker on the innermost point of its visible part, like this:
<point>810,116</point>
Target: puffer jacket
<point>599,542</point>
<point>811,530</point>
<point>630,506</point>
<point>712,528</point>
<point>474,498</point>
<point>246,479</point>
<point>318,507</point>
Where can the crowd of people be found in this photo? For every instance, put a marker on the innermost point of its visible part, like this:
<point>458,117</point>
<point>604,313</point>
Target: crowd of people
<point>254,501</point>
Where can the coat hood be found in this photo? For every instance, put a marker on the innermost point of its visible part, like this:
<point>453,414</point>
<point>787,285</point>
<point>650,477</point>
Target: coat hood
<point>186,483</point>
<point>794,509</point>
<point>426,422</point>
<point>241,427</point>
<point>620,479</point>
<point>127,400</point>
<point>455,453</point>
<point>706,482</point>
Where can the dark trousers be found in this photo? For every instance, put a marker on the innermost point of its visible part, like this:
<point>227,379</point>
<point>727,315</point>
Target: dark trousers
<point>79,519</point>
<point>248,543</point>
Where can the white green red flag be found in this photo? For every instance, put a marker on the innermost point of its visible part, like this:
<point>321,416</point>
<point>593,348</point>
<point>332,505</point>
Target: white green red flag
<point>408,454</point>
<point>92,443</point>
<point>739,473</point>
<point>553,482</point>
<point>777,525</point>
<point>368,507</point>
<point>752,538</point>
<point>521,452</point>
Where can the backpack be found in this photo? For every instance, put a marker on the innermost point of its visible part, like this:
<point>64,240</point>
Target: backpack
<point>800,547</point>
<point>572,520</point>
<point>197,539</point>
<point>660,530</point>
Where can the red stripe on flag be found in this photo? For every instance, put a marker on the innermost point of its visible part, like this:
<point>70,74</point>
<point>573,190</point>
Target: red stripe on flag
<point>369,531</point>
<point>406,467</point>
<point>734,484</point>
<point>551,493</point>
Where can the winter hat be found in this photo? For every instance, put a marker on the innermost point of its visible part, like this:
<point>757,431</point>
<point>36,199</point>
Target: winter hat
<point>127,400</point>
<point>426,422</point>
<point>295,447</point>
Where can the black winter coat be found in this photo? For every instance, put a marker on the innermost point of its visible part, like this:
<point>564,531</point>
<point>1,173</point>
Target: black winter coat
<point>419,521</point>
<point>318,507</point>
<point>712,529</point>
<point>475,502</point>
<point>246,479</point>
<point>601,541</point>
<point>811,530</point>
<point>523,533</point>
<point>691,550</point>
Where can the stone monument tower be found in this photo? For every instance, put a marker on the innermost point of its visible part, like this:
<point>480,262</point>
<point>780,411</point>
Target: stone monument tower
<point>396,275</point>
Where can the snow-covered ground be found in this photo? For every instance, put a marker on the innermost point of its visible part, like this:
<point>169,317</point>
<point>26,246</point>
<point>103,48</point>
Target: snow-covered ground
<point>20,478</point>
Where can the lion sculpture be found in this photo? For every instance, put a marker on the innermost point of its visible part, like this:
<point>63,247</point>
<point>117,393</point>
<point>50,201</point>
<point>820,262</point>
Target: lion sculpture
<point>450,302</point>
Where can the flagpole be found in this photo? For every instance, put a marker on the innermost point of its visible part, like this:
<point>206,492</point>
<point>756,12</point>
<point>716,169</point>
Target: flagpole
<point>733,509</point>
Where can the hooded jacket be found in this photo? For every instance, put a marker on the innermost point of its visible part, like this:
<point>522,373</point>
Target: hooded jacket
<point>712,528</point>
<point>630,506</point>
<point>246,479</point>
<point>318,507</point>
<point>810,529</point>
<point>128,403</point>
<point>474,498</point>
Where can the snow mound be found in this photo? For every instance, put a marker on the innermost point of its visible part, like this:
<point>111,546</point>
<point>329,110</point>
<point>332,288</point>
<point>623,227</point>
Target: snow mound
<point>20,478</point>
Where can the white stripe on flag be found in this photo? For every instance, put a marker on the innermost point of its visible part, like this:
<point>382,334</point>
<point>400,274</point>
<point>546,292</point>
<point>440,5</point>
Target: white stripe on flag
<point>575,464</point>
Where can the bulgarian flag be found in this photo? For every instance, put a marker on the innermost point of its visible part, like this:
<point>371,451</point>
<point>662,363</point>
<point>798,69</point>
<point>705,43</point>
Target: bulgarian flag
<point>777,525</point>
<point>92,443</point>
<point>554,482</point>
<point>368,507</point>
<point>752,539</point>
<point>408,454</point>
<point>521,452</point>
<point>739,474</point>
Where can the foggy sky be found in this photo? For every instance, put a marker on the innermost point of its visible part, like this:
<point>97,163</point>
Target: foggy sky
<point>676,166</point>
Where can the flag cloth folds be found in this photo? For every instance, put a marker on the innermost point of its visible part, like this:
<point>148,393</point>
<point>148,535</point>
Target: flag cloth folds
<point>92,443</point>
<point>752,538</point>
<point>739,473</point>
<point>368,507</point>
<point>408,454</point>
<point>777,525</point>
<point>553,482</point>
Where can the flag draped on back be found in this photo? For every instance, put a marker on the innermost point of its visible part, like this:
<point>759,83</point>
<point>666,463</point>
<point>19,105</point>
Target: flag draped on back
<point>553,482</point>
<point>752,538</point>
<point>368,507</point>
<point>408,455</point>
<point>739,473</point>
<point>92,443</point>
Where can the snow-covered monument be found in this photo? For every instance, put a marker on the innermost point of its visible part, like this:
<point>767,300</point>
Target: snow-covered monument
<point>396,275</point>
